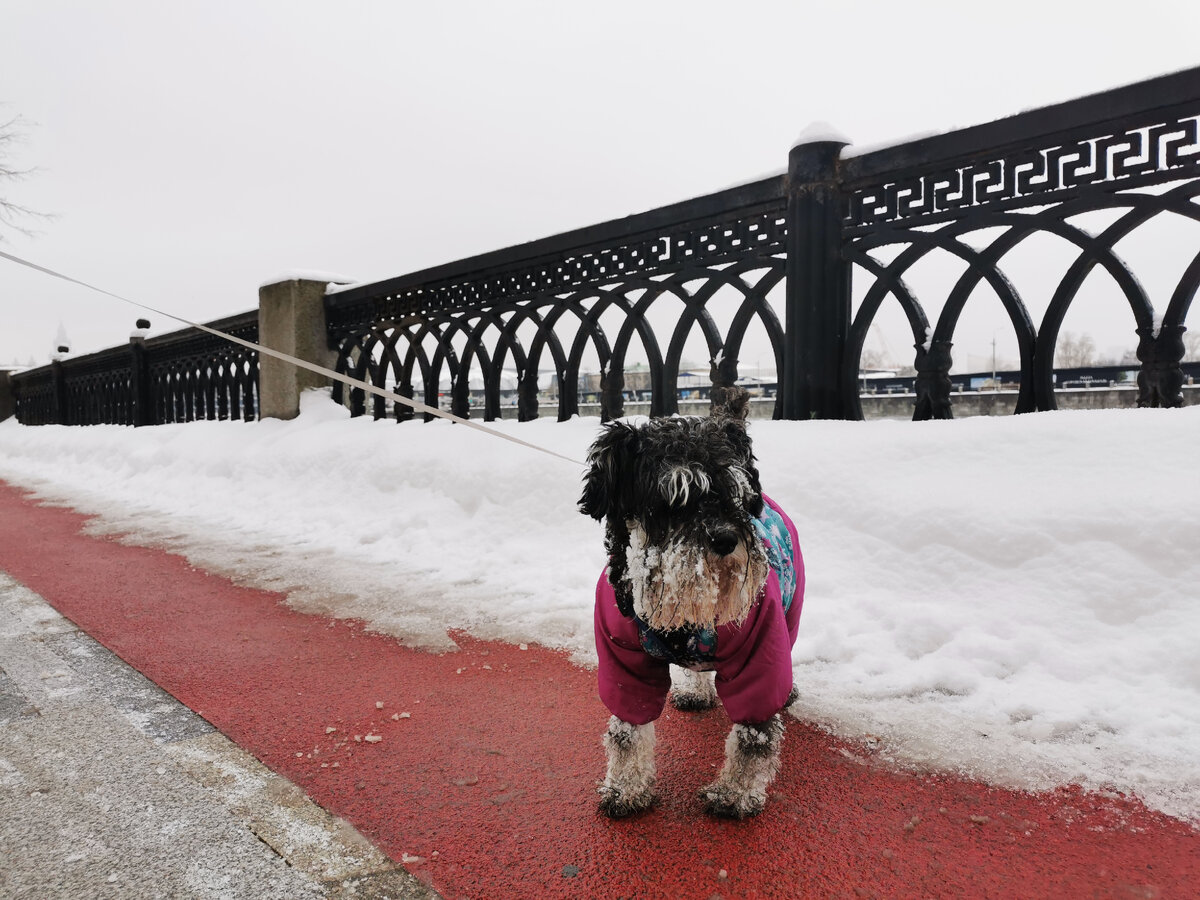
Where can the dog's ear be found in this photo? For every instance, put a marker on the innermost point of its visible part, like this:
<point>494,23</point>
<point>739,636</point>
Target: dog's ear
<point>735,432</point>
<point>739,439</point>
<point>732,403</point>
<point>609,479</point>
<point>755,506</point>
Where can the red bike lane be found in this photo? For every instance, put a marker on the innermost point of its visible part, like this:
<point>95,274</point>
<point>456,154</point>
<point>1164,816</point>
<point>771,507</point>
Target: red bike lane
<point>478,769</point>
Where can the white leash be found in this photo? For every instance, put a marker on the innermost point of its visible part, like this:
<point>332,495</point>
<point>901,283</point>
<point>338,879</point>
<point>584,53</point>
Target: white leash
<point>312,367</point>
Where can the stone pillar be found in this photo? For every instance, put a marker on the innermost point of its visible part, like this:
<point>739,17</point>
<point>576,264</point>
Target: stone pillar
<point>8,400</point>
<point>291,319</point>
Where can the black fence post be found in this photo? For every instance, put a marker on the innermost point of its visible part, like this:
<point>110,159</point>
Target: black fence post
<point>817,318</point>
<point>1160,379</point>
<point>612,393</point>
<point>722,372</point>
<point>139,383</point>
<point>60,415</point>
<point>527,400</point>
<point>8,397</point>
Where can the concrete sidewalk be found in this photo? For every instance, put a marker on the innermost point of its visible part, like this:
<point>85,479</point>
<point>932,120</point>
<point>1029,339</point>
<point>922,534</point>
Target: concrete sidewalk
<point>109,788</point>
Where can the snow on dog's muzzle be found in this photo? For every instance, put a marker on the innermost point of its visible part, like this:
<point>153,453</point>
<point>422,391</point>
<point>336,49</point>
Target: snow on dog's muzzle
<point>684,584</point>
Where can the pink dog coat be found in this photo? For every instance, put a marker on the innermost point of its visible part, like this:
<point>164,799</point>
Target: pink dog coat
<point>753,660</point>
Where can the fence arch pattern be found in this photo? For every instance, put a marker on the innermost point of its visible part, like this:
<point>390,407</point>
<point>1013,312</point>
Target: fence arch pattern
<point>1146,169</point>
<point>99,389</point>
<point>481,336</point>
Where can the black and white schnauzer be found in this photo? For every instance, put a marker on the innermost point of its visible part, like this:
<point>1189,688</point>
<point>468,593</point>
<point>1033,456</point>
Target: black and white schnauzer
<point>705,582</point>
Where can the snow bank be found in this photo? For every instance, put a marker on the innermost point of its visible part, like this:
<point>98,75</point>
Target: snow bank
<point>1011,598</point>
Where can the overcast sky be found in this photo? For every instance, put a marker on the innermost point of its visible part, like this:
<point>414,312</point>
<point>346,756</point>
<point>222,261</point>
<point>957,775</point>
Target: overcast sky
<point>189,152</point>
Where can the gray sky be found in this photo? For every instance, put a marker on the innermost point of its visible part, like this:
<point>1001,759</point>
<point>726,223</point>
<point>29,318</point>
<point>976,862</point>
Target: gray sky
<point>190,152</point>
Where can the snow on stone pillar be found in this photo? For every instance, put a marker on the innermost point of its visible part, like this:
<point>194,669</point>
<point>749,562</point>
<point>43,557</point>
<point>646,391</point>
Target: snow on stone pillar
<point>291,319</point>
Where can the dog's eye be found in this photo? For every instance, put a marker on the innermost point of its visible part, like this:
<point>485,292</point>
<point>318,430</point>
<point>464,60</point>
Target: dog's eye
<point>741,483</point>
<point>681,485</point>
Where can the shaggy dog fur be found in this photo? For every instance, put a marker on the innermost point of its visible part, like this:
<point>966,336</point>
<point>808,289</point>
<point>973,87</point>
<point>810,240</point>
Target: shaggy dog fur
<point>678,497</point>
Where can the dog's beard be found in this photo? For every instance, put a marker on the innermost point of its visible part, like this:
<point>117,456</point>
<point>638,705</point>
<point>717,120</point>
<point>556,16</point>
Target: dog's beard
<point>681,585</point>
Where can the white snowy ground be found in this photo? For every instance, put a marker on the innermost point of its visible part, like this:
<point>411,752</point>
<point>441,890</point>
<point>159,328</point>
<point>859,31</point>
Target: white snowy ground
<point>1016,599</point>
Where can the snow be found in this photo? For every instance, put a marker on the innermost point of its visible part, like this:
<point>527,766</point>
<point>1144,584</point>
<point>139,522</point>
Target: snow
<point>309,275</point>
<point>1010,598</point>
<point>864,149</point>
<point>820,132</point>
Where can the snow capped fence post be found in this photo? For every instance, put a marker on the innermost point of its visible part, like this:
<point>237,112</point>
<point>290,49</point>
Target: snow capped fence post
<point>291,319</point>
<point>139,380</point>
<point>818,283</point>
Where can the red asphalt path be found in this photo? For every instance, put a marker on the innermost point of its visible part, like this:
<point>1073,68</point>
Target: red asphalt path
<point>487,788</point>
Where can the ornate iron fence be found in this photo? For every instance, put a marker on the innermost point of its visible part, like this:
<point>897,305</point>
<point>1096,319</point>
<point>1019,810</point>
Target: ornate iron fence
<point>542,308</point>
<point>192,375</point>
<point>98,389</point>
<point>779,258</point>
<point>178,377</point>
<point>972,196</point>
<point>977,195</point>
<point>36,396</point>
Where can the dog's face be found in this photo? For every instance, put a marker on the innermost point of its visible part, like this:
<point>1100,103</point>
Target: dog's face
<point>677,497</point>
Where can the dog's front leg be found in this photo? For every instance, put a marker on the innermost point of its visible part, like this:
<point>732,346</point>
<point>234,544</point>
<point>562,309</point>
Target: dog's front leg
<point>751,764</point>
<point>629,783</point>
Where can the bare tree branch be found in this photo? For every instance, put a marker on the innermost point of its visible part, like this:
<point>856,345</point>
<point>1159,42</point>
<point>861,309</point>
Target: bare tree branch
<point>12,214</point>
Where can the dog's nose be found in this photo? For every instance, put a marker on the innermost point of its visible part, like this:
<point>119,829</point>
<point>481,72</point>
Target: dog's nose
<point>723,542</point>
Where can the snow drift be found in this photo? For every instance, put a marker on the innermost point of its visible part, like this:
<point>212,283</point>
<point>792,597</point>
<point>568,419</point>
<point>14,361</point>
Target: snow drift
<point>1015,599</point>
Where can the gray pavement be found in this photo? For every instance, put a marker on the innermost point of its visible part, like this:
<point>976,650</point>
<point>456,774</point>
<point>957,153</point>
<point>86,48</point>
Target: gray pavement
<point>109,788</point>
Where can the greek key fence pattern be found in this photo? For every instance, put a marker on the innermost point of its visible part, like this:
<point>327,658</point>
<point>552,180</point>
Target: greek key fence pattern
<point>1135,157</point>
<point>1141,167</point>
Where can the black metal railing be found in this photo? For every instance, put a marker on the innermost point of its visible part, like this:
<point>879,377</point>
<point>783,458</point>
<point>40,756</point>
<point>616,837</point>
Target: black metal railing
<point>770,268</point>
<point>976,195</point>
<point>195,375</point>
<point>545,307</point>
<point>36,396</point>
<point>834,217</point>
<point>178,377</point>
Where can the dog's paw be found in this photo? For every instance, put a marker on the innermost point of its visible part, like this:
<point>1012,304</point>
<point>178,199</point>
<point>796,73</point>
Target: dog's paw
<point>685,701</point>
<point>725,802</point>
<point>618,804</point>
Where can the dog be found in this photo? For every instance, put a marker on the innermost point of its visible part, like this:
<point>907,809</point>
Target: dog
<point>701,599</point>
